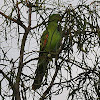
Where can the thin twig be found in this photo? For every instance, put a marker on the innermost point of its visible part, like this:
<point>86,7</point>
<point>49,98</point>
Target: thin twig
<point>14,20</point>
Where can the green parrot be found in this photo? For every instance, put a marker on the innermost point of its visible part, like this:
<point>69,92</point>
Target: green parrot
<point>49,45</point>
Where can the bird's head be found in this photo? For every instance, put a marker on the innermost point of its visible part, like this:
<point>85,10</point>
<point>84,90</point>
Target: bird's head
<point>55,17</point>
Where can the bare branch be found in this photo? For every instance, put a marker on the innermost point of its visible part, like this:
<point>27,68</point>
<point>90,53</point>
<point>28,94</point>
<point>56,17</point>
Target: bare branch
<point>14,20</point>
<point>5,76</point>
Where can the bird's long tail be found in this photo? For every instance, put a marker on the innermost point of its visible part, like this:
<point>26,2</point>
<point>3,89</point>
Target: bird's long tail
<point>40,72</point>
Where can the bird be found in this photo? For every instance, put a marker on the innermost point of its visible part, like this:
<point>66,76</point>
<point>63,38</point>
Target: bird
<point>49,45</point>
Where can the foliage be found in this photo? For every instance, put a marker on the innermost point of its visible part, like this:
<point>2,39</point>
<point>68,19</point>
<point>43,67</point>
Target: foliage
<point>75,69</point>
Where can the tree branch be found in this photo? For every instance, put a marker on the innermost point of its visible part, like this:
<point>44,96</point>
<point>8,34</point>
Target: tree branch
<point>14,20</point>
<point>8,79</point>
<point>20,67</point>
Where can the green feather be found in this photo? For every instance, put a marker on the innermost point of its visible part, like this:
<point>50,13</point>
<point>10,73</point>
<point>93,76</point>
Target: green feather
<point>50,43</point>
